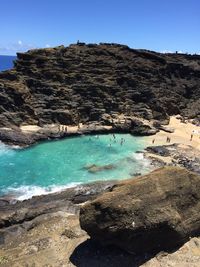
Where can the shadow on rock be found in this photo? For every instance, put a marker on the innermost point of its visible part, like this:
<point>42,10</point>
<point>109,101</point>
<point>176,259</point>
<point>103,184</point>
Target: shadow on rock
<point>92,254</point>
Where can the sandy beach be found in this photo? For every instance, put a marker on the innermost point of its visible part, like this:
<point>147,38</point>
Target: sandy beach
<point>181,135</point>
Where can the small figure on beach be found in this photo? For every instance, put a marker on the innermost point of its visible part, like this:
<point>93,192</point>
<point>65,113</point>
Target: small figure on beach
<point>153,141</point>
<point>191,137</point>
<point>168,140</point>
<point>66,129</point>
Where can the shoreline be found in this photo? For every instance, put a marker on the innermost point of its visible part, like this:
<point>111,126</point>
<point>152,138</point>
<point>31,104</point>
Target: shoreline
<point>180,134</point>
<point>27,135</point>
<point>180,146</point>
<point>179,138</point>
<point>128,155</point>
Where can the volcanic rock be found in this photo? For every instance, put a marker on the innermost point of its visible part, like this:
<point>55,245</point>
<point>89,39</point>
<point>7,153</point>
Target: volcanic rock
<point>85,83</point>
<point>156,212</point>
<point>93,168</point>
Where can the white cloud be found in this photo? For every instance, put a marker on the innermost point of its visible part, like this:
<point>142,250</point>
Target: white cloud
<point>166,52</point>
<point>47,45</point>
<point>13,48</point>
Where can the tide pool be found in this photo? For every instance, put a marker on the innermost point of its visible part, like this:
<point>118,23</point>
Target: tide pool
<point>54,165</point>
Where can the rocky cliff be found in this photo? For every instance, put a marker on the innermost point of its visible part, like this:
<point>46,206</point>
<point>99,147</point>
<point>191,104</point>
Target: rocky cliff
<point>82,83</point>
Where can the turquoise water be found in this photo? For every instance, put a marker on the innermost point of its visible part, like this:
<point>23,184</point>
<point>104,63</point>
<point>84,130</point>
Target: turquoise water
<point>51,166</point>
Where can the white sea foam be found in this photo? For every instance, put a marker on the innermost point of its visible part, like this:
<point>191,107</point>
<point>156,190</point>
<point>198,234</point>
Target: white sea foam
<point>26,192</point>
<point>140,157</point>
<point>4,149</point>
<point>7,148</point>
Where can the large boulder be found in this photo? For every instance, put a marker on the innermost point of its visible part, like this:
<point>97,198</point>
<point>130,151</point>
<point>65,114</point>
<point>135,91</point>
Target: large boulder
<point>158,211</point>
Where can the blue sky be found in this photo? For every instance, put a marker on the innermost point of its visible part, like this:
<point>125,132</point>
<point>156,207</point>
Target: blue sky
<point>161,25</point>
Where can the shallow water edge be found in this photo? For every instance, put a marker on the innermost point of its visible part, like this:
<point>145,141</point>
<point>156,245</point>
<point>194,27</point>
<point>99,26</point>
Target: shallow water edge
<point>31,171</point>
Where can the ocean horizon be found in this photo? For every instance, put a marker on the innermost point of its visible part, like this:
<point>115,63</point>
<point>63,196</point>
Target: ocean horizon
<point>6,62</point>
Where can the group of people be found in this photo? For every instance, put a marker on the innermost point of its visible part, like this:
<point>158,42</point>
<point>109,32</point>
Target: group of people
<point>112,140</point>
<point>122,140</point>
<point>168,139</point>
<point>62,128</point>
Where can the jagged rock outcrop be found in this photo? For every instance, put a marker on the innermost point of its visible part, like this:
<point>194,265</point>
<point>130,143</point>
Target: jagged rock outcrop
<point>152,213</point>
<point>83,83</point>
<point>12,212</point>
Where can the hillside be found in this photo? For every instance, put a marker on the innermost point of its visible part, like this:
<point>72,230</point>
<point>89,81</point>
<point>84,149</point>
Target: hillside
<point>82,83</point>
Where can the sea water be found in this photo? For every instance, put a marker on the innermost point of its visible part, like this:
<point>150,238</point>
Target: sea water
<point>6,62</point>
<point>54,165</point>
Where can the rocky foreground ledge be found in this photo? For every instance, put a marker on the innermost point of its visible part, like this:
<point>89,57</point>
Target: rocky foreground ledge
<point>155,212</point>
<point>145,216</point>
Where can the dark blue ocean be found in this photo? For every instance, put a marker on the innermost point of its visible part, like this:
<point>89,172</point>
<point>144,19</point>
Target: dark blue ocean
<point>6,62</point>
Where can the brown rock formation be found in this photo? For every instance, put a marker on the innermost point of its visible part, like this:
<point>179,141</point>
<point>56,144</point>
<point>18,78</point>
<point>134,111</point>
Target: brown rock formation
<point>152,213</point>
<point>95,82</point>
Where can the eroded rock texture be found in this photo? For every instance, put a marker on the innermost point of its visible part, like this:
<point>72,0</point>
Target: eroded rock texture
<point>91,82</point>
<point>152,213</point>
